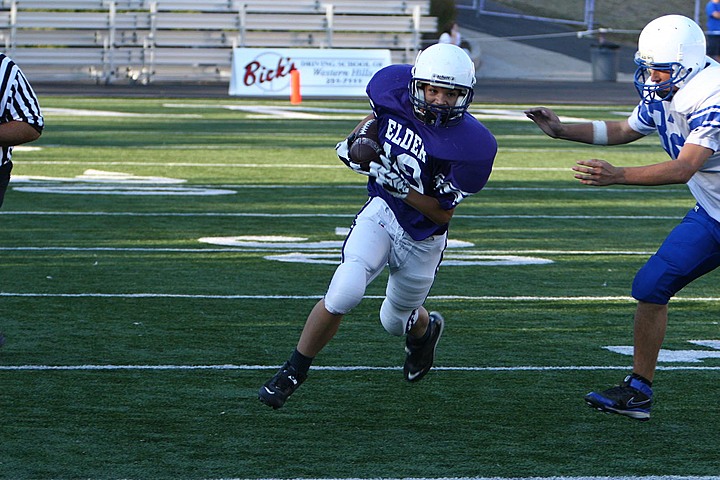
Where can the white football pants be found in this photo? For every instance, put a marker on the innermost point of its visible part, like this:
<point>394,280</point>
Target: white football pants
<point>376,239</point>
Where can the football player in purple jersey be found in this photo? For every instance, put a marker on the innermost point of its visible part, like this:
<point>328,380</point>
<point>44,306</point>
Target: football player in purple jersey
<point>435,155</point>
<point>680,100</point>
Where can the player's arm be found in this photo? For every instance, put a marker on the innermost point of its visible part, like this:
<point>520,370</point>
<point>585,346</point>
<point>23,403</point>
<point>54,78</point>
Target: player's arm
<point>429,206</point>
<point>388,175</point>
<point>679,171</point>
<point>16,133</point>
<point>598,132</point>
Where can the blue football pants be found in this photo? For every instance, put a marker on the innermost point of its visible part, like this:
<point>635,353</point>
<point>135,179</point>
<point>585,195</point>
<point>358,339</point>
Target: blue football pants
<point>691,250</point>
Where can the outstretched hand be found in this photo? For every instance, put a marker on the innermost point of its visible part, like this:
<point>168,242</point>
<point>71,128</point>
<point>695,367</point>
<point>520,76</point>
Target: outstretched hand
<point>597,172</point>
<point>546,119</point>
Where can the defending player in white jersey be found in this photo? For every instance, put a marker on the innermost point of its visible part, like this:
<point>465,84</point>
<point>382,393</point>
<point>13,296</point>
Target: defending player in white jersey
<point>435,154</point>
<point>680,100</point>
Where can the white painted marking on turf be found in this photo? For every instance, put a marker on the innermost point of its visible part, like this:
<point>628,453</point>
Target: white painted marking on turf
<point>609,190</point>
<point>135,249</point>
<point>26,148</point>
<point>304,166</point>
<point>469,259</point>
<point>265,248</point>
<point>528,298</point>
<point>164,295</point>
<point>79,112</point>
<point>266,238</point>
<point>100,176</point>
<point>683,356</point>
<point>313,113</point>
<point>575,217</point>
<point>606,190</point>
<point>338,215</point>
<point>100,182</point>
<point>349,368</point>
<point>250,242</point>
<point>124,190</point>
<point>450,259</point>
<point>658,477</point>
<point>173,214</point>
<point>279,242</point>
<point>280,111</point>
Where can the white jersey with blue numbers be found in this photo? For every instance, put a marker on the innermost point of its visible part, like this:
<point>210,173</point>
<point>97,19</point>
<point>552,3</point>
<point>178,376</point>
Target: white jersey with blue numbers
<point>692,116</point>
<point>448,163</point>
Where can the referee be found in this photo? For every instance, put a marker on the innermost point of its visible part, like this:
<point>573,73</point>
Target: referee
<point>20,117</point>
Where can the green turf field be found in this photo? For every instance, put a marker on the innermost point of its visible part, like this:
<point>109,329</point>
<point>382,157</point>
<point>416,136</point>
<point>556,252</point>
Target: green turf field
<point>158,259</point>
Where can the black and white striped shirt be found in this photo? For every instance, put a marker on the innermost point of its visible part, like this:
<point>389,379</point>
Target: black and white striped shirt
<point>17,100</point>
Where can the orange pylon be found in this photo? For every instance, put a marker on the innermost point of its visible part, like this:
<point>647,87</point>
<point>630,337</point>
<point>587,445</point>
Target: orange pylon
<point>295,97</point>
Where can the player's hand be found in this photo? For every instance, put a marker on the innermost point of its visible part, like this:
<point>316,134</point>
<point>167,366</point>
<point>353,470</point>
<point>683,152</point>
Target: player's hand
<point>343,152</point>
<point>546,119</point>
<point>388,175</point>
<point>597,172</point>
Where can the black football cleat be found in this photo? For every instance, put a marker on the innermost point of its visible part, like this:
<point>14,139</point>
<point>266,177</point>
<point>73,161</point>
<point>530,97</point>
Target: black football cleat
<point>419,358</point>
<point>276,390</point>
<point>632,398</point>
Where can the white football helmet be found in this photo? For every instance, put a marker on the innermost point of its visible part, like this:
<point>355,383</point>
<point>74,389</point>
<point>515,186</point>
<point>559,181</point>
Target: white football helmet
<point>442,65</point>
<point>674,43</point>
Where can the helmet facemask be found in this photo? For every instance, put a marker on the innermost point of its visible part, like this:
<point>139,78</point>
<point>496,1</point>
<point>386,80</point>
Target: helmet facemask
<point>651,92</point>
<point>438,115</point>
<point>446,66</point>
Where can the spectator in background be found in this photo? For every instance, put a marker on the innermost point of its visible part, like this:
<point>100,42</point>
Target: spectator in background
<point>712,10</point>
<point>451,34</point>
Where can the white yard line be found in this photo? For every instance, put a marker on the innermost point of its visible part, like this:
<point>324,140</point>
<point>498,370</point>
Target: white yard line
<point>354,368</point>
<point>334,215</point>
<point>655,477</point>
<point>453,298</point>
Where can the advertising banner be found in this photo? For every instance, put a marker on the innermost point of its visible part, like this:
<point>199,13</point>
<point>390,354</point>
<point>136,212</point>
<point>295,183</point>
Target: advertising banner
<point>258,72</point>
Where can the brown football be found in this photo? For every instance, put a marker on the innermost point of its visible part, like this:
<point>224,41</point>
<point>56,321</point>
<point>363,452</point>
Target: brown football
<point>365,148</point>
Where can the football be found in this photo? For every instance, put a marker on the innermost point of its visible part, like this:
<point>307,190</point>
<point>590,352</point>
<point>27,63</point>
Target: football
<point>365,148</point>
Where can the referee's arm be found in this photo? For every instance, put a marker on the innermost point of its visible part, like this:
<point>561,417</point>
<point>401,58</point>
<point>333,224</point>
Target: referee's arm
<point>21,120</point>
<point>17,132</point>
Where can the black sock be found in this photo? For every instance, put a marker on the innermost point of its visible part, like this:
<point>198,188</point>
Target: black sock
<point>300,362</point>
<point>642,379</point>
<point>422,339</point>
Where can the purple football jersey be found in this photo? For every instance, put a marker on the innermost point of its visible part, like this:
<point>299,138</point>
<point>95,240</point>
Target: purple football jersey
<point>448,163</point>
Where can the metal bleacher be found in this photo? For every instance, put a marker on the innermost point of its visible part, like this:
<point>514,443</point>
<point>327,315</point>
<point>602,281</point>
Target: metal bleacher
<point>106,41</point>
